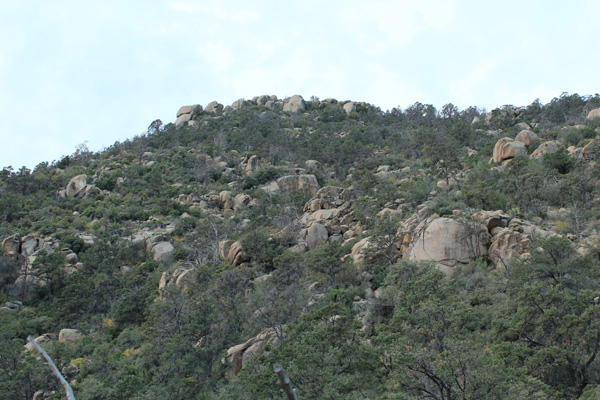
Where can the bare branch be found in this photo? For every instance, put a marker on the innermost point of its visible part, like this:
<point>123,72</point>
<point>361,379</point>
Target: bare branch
<point>55,371</point>
<point>285,383</point>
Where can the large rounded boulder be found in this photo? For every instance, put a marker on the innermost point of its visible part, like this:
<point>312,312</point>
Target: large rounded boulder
<point>507,148</point>
<point>448,242</point>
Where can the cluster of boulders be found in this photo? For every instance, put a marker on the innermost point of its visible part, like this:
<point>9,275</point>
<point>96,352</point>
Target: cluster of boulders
<point>294,104</point>
<point>186,113</point>
<point>193,201</point>
<point>328,217</point>
<point>155,241</point>
<point>507,148</point>
<point>510,237</point>
<point>23,252</point>
<point>230,202</point>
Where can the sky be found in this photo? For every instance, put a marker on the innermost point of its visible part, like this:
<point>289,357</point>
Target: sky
<point>96,72</point>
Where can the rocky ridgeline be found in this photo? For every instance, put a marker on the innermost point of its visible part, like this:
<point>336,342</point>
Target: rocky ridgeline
<point>295,104</point>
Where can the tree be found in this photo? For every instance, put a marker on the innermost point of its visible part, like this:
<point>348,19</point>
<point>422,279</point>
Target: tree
<point>553,322</point>
<point>436,347</point>
<point>324,356</point>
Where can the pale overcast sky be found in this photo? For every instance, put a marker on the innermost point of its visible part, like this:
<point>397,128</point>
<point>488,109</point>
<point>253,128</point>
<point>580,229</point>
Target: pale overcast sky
<point>102,71</point>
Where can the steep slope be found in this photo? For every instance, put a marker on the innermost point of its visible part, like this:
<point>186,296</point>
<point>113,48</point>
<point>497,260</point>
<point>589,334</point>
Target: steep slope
<point>400,254</point>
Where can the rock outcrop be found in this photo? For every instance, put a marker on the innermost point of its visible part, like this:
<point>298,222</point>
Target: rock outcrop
<point>160,247</point>
<point>231,202</point>
<point>350,107</point>
<point>448,242</point>
<point>237,356</point>
<point>183,277</point>
<point>185,114</point>
<point>328,216</point>
<point>214,107</point>
<point>77,188</point>
<point>252,165</point>
<point>294,104</point>
<point>510,237</point>
<point>292,183</point>
<point>316,234</point>
<point>507,148</point>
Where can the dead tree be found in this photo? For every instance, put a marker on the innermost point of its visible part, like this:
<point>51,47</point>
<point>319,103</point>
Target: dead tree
<point>55,371</point>
<point>285,383</point>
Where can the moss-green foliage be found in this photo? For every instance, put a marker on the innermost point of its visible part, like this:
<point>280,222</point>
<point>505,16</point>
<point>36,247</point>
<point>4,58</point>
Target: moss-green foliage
<point>527,332</point>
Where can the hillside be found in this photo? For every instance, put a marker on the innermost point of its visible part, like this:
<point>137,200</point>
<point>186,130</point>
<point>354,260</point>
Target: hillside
<point>408,254</point>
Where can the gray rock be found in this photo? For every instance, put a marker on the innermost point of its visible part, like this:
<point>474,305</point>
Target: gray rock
<point>162,251</point>
<point>316,235</point>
